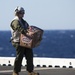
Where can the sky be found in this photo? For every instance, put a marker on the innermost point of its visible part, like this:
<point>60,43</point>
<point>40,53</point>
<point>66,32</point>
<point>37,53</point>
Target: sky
<point>45,14</point>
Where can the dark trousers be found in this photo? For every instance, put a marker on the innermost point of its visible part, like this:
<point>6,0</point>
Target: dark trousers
<point>28,53</point>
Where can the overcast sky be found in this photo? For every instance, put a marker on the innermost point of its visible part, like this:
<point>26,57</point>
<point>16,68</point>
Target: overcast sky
<point>46,14</point>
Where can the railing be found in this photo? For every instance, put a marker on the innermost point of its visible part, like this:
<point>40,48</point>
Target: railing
<point>41,62</point>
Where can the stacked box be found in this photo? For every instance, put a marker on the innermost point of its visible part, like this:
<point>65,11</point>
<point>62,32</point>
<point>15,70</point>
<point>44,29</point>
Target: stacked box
<point>32,38</point>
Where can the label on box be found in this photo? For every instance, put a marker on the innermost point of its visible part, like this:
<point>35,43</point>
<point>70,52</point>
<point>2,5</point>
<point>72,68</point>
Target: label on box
<point>25,39</point>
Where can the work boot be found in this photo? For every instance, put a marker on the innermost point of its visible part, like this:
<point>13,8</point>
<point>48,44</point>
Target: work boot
<point>14,73</point>
<point>33,73</point>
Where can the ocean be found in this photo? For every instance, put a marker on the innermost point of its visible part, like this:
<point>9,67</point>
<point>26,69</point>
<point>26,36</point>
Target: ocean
<point>54,44</point>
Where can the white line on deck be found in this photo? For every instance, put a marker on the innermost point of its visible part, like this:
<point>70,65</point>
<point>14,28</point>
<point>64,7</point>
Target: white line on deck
<point>6,71</point>
<point>22,70</point>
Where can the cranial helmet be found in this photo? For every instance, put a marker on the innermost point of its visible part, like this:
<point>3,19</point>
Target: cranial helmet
<point>19,9</point>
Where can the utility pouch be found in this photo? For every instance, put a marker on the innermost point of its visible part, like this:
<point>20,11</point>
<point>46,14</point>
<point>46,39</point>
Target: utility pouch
<point>15,44</point>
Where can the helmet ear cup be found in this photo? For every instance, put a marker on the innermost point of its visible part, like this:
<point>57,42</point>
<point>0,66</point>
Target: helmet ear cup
<point>16,10</point>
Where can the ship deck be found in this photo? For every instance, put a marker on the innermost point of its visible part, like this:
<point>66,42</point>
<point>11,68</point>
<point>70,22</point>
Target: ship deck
<point>7,70</point>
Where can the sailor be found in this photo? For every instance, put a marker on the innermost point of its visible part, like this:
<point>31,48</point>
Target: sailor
<point>20,26</point>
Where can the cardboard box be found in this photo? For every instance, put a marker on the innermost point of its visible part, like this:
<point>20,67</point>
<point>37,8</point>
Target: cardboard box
<point>32,38</point>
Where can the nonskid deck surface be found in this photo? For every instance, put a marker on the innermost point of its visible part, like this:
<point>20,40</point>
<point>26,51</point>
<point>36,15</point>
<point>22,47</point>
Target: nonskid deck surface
<point>7,70</point>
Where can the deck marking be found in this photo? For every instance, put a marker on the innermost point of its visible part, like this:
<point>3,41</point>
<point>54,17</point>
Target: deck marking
<point>22,70</point>
<point>6,71</point>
